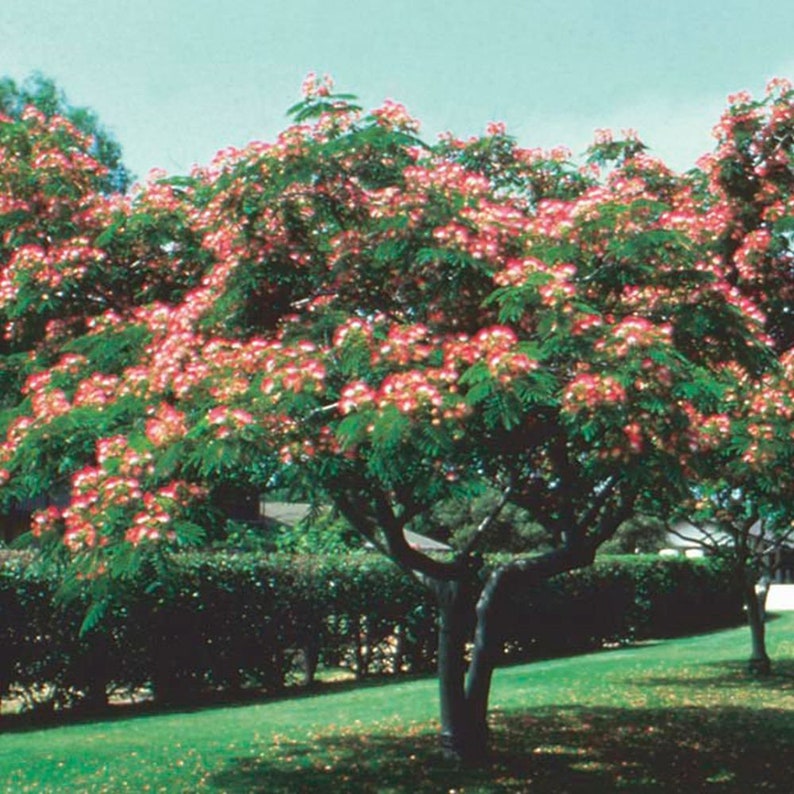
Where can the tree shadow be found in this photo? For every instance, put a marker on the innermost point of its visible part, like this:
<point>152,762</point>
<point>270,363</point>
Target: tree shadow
<point>574,749</point>
<point>731,675</point>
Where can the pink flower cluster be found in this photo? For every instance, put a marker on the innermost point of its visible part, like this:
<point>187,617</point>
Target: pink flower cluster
<point>409,391</point>
<point>228,420</point>
<point>632,333</point>
<point>516,271</point>
<point>354,328</point>
<point>356,395</point>
<point>393,115</point>
<point>407,344</point>
<point>314,86</point>
<point>292,369</point>
<point>47,268</point>
<point>491,341</point>
<point>711,430</point>
<point>97,389</point>
<point>448,179</point>
<point>153,523</point>
<point>591,390</point>
<point>561,288</point>
<point>166,425</point>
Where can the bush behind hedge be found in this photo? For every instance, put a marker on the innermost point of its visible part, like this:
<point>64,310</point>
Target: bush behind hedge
<point>229,622</point>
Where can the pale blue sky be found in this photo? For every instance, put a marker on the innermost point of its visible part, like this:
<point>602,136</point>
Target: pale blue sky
<point>176,80</point>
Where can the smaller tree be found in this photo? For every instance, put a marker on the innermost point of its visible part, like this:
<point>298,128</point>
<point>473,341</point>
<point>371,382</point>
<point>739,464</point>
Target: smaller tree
<point>742,501</point>
<point>457,521</point>
<point>640,534</point>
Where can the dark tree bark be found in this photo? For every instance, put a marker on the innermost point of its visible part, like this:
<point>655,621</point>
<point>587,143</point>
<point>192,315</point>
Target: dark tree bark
<point>484,654</point>
<point>759,663</point>
<point>469,620</point>
<point>310,653</point>
<point>464,730</point>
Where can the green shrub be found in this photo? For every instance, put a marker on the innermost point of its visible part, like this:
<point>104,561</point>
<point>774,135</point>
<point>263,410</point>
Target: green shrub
<point>226,622</point>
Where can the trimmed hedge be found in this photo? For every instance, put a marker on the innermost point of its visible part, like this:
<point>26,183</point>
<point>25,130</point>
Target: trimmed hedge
<point>232,622</point>
<point>224,623</point>
<point>619,600</point>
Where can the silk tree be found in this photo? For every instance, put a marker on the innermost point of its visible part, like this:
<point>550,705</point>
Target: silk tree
<point>394,323</point>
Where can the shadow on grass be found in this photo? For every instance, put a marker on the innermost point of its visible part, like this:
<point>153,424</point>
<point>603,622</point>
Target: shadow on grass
<point>581,750</point>
<point>732,675</point>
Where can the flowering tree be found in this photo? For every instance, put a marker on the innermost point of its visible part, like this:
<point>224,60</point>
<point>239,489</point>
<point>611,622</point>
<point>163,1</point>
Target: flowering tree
<point>70,249</point>
<point>73,256</point>
<point>743,490</point>
<point>395,324</point>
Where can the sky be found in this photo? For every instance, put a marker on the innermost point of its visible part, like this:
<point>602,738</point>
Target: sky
<point>177,80</point>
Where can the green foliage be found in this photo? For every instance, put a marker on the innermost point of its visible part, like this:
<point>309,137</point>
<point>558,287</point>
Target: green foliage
<point>323,533</point>
<point>216,622</point>
<point>640,534</point>
<point>618,600</point>
<point>394,325</point>
<point>455,521</point>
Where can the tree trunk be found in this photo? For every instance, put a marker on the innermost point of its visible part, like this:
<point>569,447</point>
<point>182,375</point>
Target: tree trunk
<point>759,663</point>
<point>464,728</point>
<point>310,653</point>
<point>398,649</point>
<point>484,653</point>
<point>465,690</point>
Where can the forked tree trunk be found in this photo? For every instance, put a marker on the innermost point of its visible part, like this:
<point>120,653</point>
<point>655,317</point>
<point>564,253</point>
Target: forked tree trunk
<point>463,685</point>
<point>759,663</point>
<point>454,619</point>
<point>469,611</point>
<point>486,648</point>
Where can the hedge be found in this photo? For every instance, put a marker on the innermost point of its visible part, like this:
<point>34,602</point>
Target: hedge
<point>619,600</point>
<point>232,622</point>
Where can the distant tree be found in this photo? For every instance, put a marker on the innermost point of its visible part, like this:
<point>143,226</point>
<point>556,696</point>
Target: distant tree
<point>512,528</point>
<point>42,93</point>
<point>76,255</point>
<point>322,532</point>
<point>640,534</point>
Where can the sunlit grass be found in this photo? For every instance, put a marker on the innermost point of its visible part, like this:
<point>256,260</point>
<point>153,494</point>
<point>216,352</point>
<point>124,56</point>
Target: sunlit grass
<point>679,715</point>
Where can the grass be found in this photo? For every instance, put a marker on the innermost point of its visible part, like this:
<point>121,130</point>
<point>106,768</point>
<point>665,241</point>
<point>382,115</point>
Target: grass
<point>679,715</point>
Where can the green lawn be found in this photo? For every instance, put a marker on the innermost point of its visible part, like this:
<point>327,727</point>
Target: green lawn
<point>677,715</point>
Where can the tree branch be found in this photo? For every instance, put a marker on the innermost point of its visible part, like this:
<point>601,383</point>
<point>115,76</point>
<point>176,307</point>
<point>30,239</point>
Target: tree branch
<point>711,541</point>
<point>395,546</point>
<point>610,519</point>
<point>486,523</point>
<point>534,570</point>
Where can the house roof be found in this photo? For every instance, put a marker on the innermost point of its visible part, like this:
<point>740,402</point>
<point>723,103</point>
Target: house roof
<point>289,513</point>
<point>684,535</point>
<point>423,543</point>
